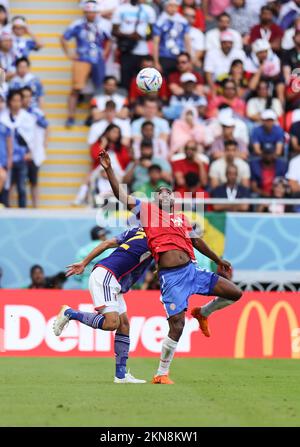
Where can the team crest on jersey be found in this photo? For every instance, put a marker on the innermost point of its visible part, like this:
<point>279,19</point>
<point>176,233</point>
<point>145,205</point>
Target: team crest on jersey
<point>177,221</point>
<point>172,306</point>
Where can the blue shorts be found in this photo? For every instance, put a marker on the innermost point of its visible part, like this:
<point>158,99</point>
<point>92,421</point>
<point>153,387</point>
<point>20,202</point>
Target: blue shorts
<point>178,284</point>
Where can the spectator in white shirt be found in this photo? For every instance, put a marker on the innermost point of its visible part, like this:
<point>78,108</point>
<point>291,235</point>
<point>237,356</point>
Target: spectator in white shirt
<point>131,23</point>
<point>263,100</point>
<point>160,147</point>
<point>98,103</point>
<point>151,113</point>
<point>218,61</point>
<point>264,64</point>
<point>196,37</point>
<point>213,36</point>
<point>110,117</point>
<point>217,171</point>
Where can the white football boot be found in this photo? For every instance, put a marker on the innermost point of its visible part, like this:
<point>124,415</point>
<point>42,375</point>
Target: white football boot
<point>128,379</point>
<point>61,321</point>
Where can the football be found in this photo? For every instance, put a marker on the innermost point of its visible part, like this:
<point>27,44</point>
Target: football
<point>149,80</point>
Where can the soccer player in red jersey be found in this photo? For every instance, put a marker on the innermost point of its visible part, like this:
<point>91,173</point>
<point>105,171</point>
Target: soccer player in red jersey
<point>172,243</point>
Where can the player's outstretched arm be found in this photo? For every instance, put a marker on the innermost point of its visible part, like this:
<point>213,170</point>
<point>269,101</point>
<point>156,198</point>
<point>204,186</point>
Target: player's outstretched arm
<point>203,248</point>
<point>118,191</point>
<point>78,267</point>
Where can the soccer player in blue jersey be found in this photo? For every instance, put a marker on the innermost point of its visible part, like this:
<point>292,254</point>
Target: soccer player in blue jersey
<point>110,278</point>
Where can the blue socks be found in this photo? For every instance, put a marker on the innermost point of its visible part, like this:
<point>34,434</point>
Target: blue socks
<point>122,343</point>
<point>90,319</point>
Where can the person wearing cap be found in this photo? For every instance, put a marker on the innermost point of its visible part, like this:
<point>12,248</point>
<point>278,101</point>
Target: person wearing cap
<point>23,45</point>
<point>171,37</point>
<point>189,98</point>
<point>184,65</point>
<point>268,132</point>
<point>212,37</point>
<point>24,77</point>
<point>264,64</point>
<point>93,42</point>
<point>267,29</point>
<point>265,168</point>
<point>218,147</point>
<point>280,190</point>
<point>97,235</point>
<point>7,55</point>
<point>291,58</point>
<point>217,170</point>
<point>230,98</point>
<point>218,62</point>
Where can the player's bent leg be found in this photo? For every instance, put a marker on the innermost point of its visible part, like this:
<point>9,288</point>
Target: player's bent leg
<point>107,322</point>
<point>227,293</point>
<point>176,326</point>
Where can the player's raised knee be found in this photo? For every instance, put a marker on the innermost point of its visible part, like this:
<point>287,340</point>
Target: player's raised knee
<point>237,294</point>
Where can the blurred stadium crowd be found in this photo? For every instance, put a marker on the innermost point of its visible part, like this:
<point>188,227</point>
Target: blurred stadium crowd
<point>225,122</point>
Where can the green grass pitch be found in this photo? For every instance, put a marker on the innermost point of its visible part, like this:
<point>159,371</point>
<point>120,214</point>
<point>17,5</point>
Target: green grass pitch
<point>208,392</point>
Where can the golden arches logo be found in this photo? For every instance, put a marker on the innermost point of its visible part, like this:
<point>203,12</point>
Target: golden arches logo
<point>267,323</point>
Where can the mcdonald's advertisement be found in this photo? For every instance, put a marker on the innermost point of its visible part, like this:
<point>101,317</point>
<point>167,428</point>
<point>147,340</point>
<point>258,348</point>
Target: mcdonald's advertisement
<point>260,325</point>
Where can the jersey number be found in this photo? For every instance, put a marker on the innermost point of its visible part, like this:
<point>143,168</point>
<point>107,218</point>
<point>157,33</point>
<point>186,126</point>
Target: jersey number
<point>139,235</point>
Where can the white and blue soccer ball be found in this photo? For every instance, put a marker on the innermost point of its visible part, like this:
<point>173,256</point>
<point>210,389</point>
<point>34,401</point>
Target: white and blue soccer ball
<point>149,80</point>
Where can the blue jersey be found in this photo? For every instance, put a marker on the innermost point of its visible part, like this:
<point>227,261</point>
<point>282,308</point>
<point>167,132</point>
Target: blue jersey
<point>29,80</point>
<point>172,31</point>
<point>23,46</point>
<point>90,38</point>
<point>130,260</point>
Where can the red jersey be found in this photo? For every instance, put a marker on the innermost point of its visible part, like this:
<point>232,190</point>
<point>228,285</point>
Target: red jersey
<point>164,231</point>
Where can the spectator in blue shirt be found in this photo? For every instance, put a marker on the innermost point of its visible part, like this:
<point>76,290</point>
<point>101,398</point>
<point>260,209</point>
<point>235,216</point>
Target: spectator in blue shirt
<point>40,142</point>
<point>22,45</point>
<point>92,34</point>
<point>189,98</point>
<point>24,78</point>
<point>171,37</point>
<point>268,132</point>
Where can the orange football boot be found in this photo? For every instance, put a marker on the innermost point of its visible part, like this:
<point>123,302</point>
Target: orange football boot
<point>163,380</point>
<point>203,321</point>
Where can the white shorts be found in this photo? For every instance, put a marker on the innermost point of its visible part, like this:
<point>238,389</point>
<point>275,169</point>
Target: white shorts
<point>105,291</point>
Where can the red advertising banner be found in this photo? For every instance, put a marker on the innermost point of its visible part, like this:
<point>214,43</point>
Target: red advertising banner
<point>261,324</point>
